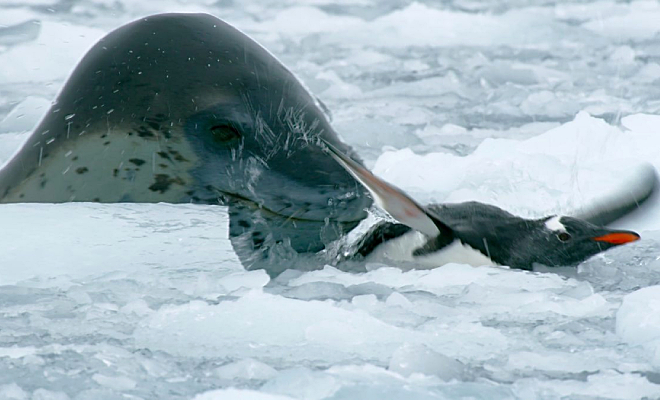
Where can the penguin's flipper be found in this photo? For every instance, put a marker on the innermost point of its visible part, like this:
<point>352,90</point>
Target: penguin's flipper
<point>392,199</point>
<point>626,199</point>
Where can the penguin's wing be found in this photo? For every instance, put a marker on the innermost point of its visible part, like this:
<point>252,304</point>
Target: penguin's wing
<point>623,201</point>
<point>392,199</point>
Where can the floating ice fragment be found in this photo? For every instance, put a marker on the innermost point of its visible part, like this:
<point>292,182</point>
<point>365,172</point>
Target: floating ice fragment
<point>43,394</point>
<point>409,359</point>
<point>24,116</point>
<point>246,369</point>
<point>114,382</point>
<point>17,352</point>
<point>319,291</point>
<point>623,55</point>
<point>12,392</point>
<point>638,320</point>
<point>639,20</point>
<point>19,33</point>
<point>642,123</point>
<point>51,56</point>
<point>302,383</point>
<point>238,394</point>
<point>548,103</point>
<point>244,280</point>
<point>138,307</point>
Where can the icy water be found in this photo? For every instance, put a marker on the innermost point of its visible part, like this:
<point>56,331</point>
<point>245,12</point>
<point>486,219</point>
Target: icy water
<point>536,107</point>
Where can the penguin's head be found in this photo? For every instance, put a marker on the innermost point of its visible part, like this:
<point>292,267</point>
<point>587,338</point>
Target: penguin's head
<point>565,241</point>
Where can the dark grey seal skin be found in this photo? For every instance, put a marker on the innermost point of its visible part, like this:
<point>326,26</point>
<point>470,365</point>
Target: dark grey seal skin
<point>183,108</point>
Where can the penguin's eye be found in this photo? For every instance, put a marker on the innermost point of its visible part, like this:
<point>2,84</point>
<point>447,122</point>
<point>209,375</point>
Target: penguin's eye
<point>564,236</point>
<point>224,133</point>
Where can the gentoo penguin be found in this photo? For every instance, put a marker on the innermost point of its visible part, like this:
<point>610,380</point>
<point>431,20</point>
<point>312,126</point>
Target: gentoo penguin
<point>474,233</point>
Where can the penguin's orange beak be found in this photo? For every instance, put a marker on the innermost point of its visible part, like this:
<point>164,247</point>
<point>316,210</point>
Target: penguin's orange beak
<point>618,237</point>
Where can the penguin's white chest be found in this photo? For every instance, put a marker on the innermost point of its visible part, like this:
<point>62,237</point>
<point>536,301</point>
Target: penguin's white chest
<point>401,249</point>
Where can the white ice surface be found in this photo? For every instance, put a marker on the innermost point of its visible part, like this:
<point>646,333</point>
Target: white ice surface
<point>536,107</point>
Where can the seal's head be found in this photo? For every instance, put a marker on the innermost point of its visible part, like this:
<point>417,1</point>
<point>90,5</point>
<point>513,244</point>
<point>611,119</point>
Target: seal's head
<point>185,108</point>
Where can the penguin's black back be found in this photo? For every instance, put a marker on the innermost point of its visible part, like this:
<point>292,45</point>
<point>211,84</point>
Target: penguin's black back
<point>471,223</point>
<point>471,215</point>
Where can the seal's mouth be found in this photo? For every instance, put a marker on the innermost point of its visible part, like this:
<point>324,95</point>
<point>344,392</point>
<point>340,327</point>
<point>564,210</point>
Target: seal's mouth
<point>289,212</point>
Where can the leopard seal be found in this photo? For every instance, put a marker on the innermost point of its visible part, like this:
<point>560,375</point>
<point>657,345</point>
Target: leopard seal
<point>184,108</point>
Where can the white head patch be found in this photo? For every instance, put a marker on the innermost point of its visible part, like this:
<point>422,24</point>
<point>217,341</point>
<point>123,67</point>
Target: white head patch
<point>555,225</point>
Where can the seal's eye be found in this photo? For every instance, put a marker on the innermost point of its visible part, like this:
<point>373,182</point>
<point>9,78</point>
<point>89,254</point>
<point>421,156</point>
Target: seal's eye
<point>224,133</point>
<point>564,236</point>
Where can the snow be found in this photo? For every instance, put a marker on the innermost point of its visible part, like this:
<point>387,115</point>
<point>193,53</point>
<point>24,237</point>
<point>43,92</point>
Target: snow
<point>536,107</point>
